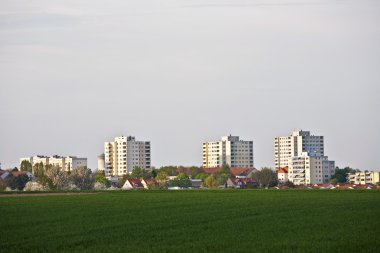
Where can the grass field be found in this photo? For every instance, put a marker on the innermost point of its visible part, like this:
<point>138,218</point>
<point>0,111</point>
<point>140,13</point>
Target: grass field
<point>193,221</point>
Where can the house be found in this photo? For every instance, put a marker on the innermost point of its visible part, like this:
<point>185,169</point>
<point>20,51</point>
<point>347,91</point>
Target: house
<point>196,183</point>
<point>4,174</point>
<point>282,175</point>
<point>150,181</point>
<point>241,183</point>
<point>20,173</point>
<point>114,180</point>
<point>242,172</point>
<point>132,184</point>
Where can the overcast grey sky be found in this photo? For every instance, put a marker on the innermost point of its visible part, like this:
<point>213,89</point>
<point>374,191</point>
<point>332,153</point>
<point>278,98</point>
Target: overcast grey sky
<point>76,73</point>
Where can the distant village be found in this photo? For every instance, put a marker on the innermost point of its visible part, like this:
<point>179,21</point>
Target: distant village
<point>300,162</point>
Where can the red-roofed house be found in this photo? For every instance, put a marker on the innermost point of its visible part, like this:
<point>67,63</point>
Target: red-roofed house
<point>132,184</point>
<point>240,183</point>
<point>20,173</point>
<point>242,172</point>
<point>282,175</point>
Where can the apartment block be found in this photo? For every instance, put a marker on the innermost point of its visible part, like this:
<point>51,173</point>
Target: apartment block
<point>229,150</point>
<point>310,169</point>
<point>305,158</point>
<point>123,154</point>
<point>68,163</point>
<point>287,147</point>
<point>367,177</point>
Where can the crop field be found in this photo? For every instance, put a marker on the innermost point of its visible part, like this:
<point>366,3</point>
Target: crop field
<point>193,221</point>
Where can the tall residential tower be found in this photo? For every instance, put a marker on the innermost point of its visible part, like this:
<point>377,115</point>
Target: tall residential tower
<point>230,150</point>
<point>303,155</point>
<point>124,154</point>
<point>287,147</point>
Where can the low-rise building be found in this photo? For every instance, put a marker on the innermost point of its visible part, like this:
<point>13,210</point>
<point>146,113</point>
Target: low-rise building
<point>282,175</point>
<point>366,177</point>
<point>307,169</point>
<point>196,183</point>
<point>240,183</point>
<point>67,163</point>
<point>132,184</point>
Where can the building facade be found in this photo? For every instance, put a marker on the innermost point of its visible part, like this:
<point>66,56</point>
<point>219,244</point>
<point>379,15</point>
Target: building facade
<point>367,177</point>
<point>287,147</point>
<point>67,163</point>
<point>282,175</point>
<point>306,169</point>
<point>123,154</point>
<point>230,151</point>
<point>101,162</point>
<point>305,158</point>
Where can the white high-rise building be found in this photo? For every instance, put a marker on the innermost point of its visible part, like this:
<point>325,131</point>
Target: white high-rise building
<point>230,150</point>
<point>304,155</point>
<point>124,154</point>
<point>67,163</point>
<point>287,147</point>
<point>306,169</point>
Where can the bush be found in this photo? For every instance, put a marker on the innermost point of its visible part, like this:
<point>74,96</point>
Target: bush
<point>34,186</point>
<point>100,186</point>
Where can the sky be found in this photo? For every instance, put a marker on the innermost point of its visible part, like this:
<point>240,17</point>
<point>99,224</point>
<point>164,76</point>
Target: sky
<point>77,73</point>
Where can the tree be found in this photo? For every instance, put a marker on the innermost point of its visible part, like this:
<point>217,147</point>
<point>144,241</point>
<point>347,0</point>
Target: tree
<point>17,182</point>
<point>170,170</point>
<point>102,179</point>
<point>333,181</point>
<point>83,178</point>
<point>211,181</point>
<point>182,181</point>
<point>182,176</point>
<point>223,174</point>
<point>225,170</point>
<point>140,173</point>
<point>38,169</point>
<point>194,171</point>
<point>152,186</point>
<point>3,185</point>
<point>153,172</point>
<point>161,176</point>
<point>26,166</point>
<point>341,174</point>
<point>46,182</point>
<point>58,178</point>
<point>265,177</point>
<point>202,176</point>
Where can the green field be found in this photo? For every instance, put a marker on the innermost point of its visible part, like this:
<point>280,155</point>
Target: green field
<point>193,221</point>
